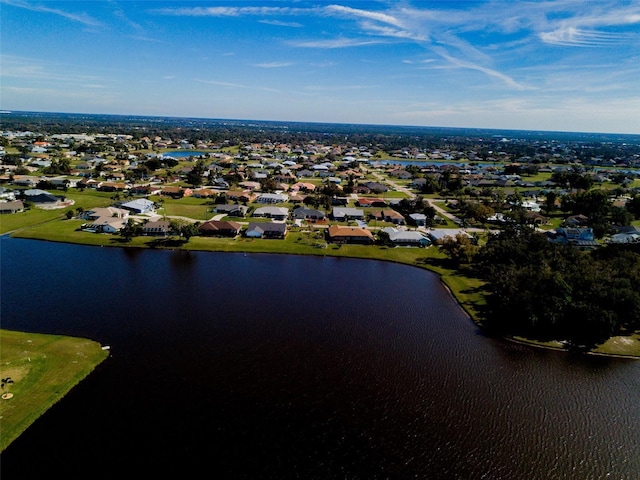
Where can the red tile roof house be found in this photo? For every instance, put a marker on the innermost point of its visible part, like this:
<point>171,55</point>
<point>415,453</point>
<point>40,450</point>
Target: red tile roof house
<point>389,215</point>
<point>340,234</point>
<point>220,228</point>
<point>244,197</point>
<point>176,192</point>
<point>371,202</point>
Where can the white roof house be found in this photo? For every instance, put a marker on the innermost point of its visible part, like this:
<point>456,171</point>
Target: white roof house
<point>140,205</point>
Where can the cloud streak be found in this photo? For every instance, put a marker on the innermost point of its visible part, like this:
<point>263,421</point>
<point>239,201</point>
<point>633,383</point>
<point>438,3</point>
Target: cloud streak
<point>76,17</point>
<point>273,64</point>
<point>236,85</point>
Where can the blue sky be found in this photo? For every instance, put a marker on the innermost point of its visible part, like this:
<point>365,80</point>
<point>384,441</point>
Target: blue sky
<point>537,65</point>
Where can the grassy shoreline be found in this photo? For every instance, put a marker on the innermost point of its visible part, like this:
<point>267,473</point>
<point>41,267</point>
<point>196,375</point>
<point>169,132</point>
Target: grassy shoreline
<point>43,368</point>
<point>466,290</point>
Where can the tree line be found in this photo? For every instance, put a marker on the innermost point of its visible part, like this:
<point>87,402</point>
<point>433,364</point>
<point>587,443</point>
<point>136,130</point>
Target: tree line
<point>545,291</point>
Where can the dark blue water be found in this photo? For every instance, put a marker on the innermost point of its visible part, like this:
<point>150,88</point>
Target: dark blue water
<point>265,366</point>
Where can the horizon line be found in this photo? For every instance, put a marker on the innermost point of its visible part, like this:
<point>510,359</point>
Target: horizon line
<point>377,125</point>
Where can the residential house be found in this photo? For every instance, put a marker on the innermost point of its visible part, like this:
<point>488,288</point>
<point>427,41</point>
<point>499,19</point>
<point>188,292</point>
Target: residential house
<point>376,187</point>
<point>577,221</point>
<point>622,237</point>
<point>276,213</point>
<point>14,206</point>
<point>232,209</point>
<point>401,174</point>
<point>249,185</point>
<point>344,214</point>
<point>304,173</point>
<point>342,234</point>
<point>176,192</point>
<point>144,190</point>
<point>390,215</point>
<point>266,230</point>
<point>220,228</point>
<point>370,202</point>
<point>63,182</point>
<point>6,194</point>
<point>409,238</point>
<point>111,186</point>
<point>303,186</point>
<point>25,180</point>
<point>139,206</point>
<point>438,235</point>
<point>580,237</point>
<point>272,198</point>
<point>158,228</point>
<point>297,198</point>
<point>240,197</point>
<point>38,196</point>
<point>105,225</point>
<point>535,218</point>
<point>104,212</point>
<point>418,219</point>
<point>304,213</point>
<point>205,193</point>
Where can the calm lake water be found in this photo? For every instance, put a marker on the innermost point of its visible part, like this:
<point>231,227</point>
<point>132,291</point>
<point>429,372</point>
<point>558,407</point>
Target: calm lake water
<point>266,366</point>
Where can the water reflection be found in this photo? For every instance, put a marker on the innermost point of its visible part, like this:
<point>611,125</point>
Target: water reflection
<point>267,366</point>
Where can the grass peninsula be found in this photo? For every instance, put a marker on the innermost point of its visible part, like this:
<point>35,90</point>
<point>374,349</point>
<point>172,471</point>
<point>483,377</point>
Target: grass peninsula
<point>37,370</point>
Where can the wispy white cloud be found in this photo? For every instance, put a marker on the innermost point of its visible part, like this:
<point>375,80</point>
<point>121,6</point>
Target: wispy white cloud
<point>230,11</point>
<point>336,43</point>
<point>76,17</point>
<point>279,23</point>
<point>29,69</point>
<point>506,79</point>
<point>120,14</point>
<point>272,64</point>
<point>335,88</point>
<point>576,37</point>
<point>367,14</point>
<point>142,38</point>
<point>237,85</point>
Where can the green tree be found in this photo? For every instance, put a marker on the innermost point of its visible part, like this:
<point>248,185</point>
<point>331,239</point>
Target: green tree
<point>633,206</point>
<point>460,249</point>
<point>130,230</point>
<point>549,205</point>
<point>195,176</point>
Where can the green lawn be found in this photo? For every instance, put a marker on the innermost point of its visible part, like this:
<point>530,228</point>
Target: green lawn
<point>300,241</point>
<point>196,208</point>
<point>43,369</point>
<point>34,216</point>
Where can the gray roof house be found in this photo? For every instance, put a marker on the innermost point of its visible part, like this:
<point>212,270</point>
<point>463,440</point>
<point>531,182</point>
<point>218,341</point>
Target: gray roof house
<point>439,234</point>
<point>346,213</point>
<point>159,228</point>
<point>272,198</point>
<point>277,213</point>
<point>14,206</point>
<point>407,237</point>
<point>304,213</point>
<point>266,230</point>
<point>139,206</point>
<point>232,209</point>
<point>418,219</point>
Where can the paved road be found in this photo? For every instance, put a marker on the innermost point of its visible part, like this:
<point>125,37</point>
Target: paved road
<point>442,212</point>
